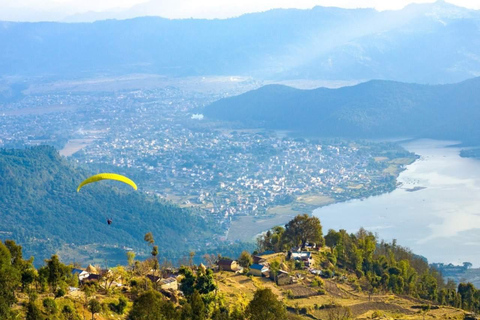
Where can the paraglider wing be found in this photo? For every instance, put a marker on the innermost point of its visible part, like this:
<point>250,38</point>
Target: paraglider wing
<point>107,176</point>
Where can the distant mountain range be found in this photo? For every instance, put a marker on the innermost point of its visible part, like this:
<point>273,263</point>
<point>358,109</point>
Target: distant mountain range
<point>423,43</point>
<point>41,210</point>
<point>375,109</point>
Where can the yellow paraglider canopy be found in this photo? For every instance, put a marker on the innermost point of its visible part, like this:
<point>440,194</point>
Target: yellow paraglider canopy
<point>107,176</point>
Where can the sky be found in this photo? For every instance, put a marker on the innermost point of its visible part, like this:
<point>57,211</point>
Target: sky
<point>88,10</point>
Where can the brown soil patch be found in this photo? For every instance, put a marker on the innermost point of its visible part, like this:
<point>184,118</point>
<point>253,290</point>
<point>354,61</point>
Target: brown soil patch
<point>333,290</point>
<point>300,291</point>
<point>361,308</point>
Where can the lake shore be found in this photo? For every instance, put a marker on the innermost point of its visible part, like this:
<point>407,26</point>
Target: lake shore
<point>435,212</point>
<point>247,228</point>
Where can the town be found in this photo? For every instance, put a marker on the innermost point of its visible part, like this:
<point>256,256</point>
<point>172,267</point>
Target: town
<point>192,161</point>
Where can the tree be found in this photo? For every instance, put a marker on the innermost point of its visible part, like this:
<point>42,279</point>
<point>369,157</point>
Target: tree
<point>332,238</point>
<point>428,287</point>
<point>302,229</point>
<point>50,306</point>
<point>467,292</point>
<point>69,313</point>
<point>149,238</point>
<point>147,306</point>
<point>198,306</point>
<point>204,282</point>
<point>186,313</point>
<point>190,259</point>
<point>156,264</point>
<point>220,314</point>
<point>155,252</point>
<point>272,240</point>
<point>9,280</point>
<point>118,307</point>
<point>111,276</point>
<point>265,306</point>
<point>245,259</point>
<point>57,272</point>
<point>16,254</point>
<point>28,276</point>
<point>467,265</point>
<point>33,312</point>
<point>187,284</point>
<point>94,307</point>
<point>131,263</point>
<point>210,259</point>
<point>130,258</point>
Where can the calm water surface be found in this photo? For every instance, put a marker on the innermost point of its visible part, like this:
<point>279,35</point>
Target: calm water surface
<point>440,222</point>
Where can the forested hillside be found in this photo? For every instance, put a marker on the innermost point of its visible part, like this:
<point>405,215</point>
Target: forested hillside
<point>375,109</point>
<point>41,210</point>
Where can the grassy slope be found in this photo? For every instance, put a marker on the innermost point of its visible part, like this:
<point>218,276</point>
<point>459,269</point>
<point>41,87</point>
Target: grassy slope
<point>240,288</point>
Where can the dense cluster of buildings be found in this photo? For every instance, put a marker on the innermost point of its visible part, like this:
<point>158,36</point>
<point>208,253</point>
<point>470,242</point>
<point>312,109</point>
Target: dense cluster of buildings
<point>190,160</point>
<point>236,172</point>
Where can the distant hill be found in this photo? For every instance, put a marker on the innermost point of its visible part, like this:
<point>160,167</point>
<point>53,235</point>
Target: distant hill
<point>41,210</point>
<point>375,109</point>
<point>427,43</point>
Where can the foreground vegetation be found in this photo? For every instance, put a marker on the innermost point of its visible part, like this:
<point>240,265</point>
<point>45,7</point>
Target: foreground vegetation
<point>352,276</point>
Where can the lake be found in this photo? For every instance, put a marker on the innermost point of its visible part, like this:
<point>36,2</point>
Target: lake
<point>435,212</point>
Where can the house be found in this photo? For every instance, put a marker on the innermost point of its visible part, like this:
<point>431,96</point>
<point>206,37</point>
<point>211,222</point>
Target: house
<point>77,271</point>
<point>165,284</point>
<point>92,277</point>
<point>304,256</point>
<point>80,273</point>
<point>259,260</point>
<point>91,269</point>
<point>311,246</point>
<point>283,278</point>
<point>227,265</point>
<point>153,278</point>
<point>169,283</point>
<point>258,269</point>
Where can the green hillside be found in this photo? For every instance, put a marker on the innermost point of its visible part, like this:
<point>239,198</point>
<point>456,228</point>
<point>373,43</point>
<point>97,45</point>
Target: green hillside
<point>42,211</point>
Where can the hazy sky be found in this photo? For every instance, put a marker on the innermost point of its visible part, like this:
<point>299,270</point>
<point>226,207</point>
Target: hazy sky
<point>35,10</point>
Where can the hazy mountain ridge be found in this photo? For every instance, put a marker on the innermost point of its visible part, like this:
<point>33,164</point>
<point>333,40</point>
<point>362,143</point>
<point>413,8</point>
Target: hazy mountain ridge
<point>422,43</point>
<point>375,109</point>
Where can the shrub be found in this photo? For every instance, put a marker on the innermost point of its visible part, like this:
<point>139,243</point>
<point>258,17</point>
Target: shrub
<point>359,273</point>
<point>298,265</point>
<point>50,305</point>
<point>289,294</point>
<point>327,273</point>
<point>118,307</point>
<point>60,293</point>
<point>377,314</point>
